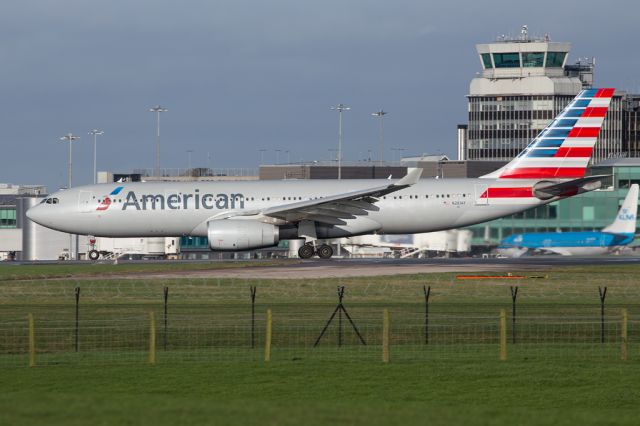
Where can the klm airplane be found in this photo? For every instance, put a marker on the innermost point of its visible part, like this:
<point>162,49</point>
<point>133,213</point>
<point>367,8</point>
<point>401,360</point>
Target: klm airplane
<point>615,236</point>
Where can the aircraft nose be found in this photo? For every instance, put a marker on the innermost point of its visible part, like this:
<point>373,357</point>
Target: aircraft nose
<point>33,214</point>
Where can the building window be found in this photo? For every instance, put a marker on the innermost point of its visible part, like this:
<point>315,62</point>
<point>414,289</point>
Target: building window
<point>506,60</point>
<point>486,60</point>
<point>555,59</point>
<point>532,59</point>
<point>588,213</point>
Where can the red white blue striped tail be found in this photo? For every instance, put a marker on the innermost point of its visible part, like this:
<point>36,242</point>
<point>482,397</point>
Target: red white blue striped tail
<point>564,148</point>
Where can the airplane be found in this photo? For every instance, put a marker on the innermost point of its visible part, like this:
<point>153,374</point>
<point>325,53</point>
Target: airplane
<point>613,237</point>
<point>245,215</point>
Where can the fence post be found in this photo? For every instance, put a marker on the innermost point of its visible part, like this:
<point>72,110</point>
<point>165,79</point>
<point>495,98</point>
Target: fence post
<point>77,341</point>
<point>603,295</point>
<point>32,341</point>
<point>253,316</point>
<point>267,340</point>
<point>514,296</point>
<point>624,348</point>
<point>152,338</point>
<point>165,337</point>
<point>427,293</point>
<point>503,335</point>
<point>385,336</point>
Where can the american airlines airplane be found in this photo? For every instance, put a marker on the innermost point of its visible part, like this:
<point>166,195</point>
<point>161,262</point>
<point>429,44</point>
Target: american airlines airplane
<point>615,236</point>
<point>246,215</point>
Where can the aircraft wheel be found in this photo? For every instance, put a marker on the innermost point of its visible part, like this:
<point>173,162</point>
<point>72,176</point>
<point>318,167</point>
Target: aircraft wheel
<point>325,251</point>
<point>94,254</point>
<point>306,251</point>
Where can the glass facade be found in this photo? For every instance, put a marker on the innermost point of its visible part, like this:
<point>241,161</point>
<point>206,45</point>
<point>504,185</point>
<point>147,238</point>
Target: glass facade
<point>486,60</point>
<point>7,218</point>
<point>587,212</point>
<point>532,59</point>
<point>631,125</point>
<point>555,59</point>
<point>502,126</point>
<point>506,60</point>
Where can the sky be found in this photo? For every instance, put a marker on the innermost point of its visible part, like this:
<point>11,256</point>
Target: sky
<point>239,76</point>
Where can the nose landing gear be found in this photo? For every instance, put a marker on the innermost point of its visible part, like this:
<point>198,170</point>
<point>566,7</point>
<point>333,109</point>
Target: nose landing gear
<point>324,251</point>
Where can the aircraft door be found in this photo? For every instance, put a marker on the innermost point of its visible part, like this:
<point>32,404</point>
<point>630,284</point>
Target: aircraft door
<point>84,201</point>
<point>480,190</point>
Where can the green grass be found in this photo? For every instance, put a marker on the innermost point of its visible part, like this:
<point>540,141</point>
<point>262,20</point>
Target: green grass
<point>315,393</point>
<point>9,271</point>
<point>209,375</point>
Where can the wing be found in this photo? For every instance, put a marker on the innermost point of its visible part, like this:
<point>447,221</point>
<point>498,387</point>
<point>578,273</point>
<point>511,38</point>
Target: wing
<point>334,209</point>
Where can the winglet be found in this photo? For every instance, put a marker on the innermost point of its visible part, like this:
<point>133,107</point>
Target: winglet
<point>411,178</point>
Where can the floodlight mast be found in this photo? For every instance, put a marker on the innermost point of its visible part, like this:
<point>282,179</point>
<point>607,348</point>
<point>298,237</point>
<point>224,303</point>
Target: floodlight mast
<point>158,109</point>
<point>380,114</point>
<point>340,108</point>
<point>70,137</point>
<point>95,133</point>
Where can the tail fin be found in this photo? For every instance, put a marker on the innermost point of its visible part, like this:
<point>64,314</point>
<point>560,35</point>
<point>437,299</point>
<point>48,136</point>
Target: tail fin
<point>563,149</point>
<point>625,222</point>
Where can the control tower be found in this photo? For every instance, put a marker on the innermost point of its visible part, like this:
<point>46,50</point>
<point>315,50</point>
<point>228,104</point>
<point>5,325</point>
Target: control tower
<point>525,82</point>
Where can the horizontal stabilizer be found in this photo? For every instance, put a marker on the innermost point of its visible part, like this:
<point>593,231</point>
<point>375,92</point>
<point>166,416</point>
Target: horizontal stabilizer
<point>545,190</point>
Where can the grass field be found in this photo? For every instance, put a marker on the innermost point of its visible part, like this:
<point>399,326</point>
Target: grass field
<point>325,393</point>
<point>558,373</point>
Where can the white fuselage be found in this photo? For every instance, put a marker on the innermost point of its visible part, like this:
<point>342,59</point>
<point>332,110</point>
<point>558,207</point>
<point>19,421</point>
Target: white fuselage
<point>178,208</point>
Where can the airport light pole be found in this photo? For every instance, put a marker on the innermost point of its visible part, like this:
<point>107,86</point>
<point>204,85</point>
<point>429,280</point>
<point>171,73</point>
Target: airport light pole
<point>70,137</point>
<point>189,152</point>
<point>278,155</point>
<point>380,114</point>
<point>158,109</point>
<point>340,108</point>
<point>262,151</point>
<point>95,133</point>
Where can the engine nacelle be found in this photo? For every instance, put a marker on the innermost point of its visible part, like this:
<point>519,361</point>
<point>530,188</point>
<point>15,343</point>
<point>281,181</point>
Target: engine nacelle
<point>234,234</point>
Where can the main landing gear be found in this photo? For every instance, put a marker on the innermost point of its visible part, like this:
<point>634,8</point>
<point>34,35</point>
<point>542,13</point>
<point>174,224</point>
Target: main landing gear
<point>324,251</point>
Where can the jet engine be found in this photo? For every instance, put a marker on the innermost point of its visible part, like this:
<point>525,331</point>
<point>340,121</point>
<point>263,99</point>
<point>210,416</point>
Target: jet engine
<point>234,234</point>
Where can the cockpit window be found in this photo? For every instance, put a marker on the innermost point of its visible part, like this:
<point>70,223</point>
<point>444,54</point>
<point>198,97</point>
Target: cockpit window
<point>50,201</point>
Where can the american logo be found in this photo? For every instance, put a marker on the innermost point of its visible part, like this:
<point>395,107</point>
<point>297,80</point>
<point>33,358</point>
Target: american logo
<point>104,205</point>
